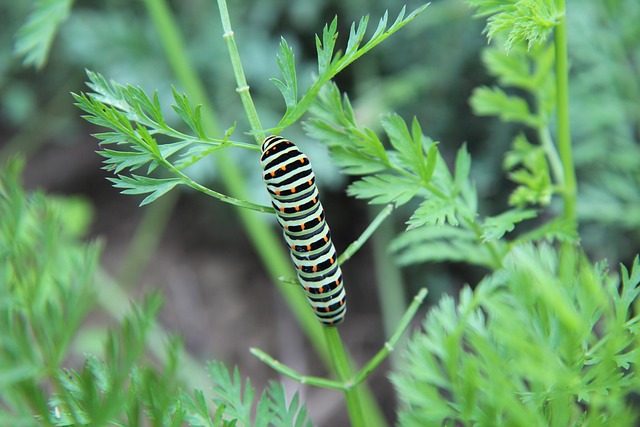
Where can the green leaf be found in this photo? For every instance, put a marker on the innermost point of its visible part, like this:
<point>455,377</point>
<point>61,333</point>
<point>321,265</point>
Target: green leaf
<point>287,65</point>
<point>326,46</point>
<point>411,153</point>
<point>523,21</point>
<point>229,391</point>
<point>558,229</point>
<point>494,101</point>
<point>137,184</point>
<point>434,211</point>
<point>191,116</point>
<point>384,189</point>
<point>330,64</point>
<point>286,415</point>
<point>440,243</point>
<point>495,227</point>
<point>34,38</point>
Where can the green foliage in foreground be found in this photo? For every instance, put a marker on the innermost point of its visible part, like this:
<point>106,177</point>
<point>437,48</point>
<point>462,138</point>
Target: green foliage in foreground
<point>47,285</point>
<point>541,342</point>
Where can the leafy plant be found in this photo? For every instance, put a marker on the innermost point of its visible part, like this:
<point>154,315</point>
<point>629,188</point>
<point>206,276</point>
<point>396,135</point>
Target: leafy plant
<point>545,339</point>
<point>542,342</point>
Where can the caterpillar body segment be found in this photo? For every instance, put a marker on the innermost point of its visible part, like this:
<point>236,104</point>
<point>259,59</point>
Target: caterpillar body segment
<point>291,184</point>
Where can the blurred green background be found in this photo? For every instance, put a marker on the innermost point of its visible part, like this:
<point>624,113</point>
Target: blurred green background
<point>218,296</point>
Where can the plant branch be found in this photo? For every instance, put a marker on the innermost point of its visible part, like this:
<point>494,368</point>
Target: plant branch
<point>370,366</point>
<point>562,100</point>
<point>241,81</point>
<point>355,246</point>
<point>343,369</point>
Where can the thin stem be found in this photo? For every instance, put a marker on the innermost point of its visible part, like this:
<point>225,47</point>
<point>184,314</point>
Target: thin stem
<point>295,375</point>
<point>343,369</point>
<point>355,246</point>
<point>564,130</point>
<point>389,282</point>
<point>222,197</point>
<point>370,366</point>
<point>552,155</point>
<point>238,71</point>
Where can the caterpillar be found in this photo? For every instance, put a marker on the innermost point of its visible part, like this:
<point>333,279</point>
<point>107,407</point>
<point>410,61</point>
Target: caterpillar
<point>291,184</point>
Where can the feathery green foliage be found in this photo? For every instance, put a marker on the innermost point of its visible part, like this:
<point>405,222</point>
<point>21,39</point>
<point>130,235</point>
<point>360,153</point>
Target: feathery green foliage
<point>530,21</point>
<point>446,224</point>
<point>47,290</point>
<point>35,37</point>
<point>538,343</point>
<point>330,62</point>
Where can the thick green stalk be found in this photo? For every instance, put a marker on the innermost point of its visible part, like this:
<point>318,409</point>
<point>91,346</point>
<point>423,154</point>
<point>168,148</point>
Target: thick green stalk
<point>564,130</point>
<point>343,369</point>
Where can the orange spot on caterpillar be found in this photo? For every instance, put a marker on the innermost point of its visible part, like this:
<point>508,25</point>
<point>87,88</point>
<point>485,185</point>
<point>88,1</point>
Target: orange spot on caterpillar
<point>282,209</point>
<point>308,247</point>
<point>321,290</point>
<point>277,192</point>
<point>293,190</point>
<point>319,218</point>
<point>272,173</point>
<point>315,268</point>
<point>284,167</point>
<point>300,268</point>
<point>310,182</point>
<point>301,159</point>
<point>297,208</point>
<point>302,227</point>
<point>327,309</point>
<point>341,302</point>
<point>314,200</point>
<point>326,239</point>
<point>331,260</point>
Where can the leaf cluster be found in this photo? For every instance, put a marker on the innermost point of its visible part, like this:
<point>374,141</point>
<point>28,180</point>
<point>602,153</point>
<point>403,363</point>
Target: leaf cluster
<point>136,122</point>
<point>445,225</point>
<point>539,343</point>
<point>524,95</point>
<point>34,38</point>
<point>528,22</point>
<point>47,282</point>
<point>330,61</point>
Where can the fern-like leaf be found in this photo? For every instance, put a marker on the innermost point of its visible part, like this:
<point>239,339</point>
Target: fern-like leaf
<point>34,38</point>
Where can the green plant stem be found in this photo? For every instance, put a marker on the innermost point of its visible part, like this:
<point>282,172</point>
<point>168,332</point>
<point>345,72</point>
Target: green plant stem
<point>238,71</point>
<point>564,130</point>
<point>350,381</point>
<point>370,366</point>
<point>343,369</point>
<point>355,246</point>
<point>389,282</point>
<point>295,375</point>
